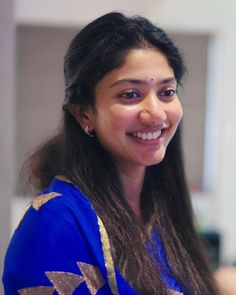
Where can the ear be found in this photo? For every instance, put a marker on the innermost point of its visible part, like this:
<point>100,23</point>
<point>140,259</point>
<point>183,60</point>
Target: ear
<point>83,115</point>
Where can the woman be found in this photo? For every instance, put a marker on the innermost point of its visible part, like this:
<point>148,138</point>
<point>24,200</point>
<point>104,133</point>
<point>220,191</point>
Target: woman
<point>115,217</point>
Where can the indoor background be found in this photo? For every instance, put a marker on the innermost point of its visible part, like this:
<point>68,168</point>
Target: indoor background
<point>34,36</point>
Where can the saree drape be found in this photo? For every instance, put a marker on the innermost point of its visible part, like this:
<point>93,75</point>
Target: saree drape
<point>61,247</point>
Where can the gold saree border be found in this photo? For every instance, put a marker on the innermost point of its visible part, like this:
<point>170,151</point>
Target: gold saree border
<point>108,258</point>
<point>39,201</point>
<point>109,264</point>
<point>63,178</point>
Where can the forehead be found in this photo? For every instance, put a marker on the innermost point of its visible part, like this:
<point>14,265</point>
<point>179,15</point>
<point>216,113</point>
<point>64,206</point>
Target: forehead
<point>146,64</point>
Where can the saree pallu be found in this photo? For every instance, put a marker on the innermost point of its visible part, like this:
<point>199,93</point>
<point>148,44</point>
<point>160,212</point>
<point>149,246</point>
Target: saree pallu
<point>61,247</point>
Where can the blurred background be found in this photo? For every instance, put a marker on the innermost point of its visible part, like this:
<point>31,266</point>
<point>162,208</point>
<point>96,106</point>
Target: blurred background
<point>34,36</point>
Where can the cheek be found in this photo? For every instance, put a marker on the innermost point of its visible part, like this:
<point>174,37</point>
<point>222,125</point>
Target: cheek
<point>176,113</point>
<point>116,118</point>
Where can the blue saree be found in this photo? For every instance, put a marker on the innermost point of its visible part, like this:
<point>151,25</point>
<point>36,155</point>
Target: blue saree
<point>61,247</point>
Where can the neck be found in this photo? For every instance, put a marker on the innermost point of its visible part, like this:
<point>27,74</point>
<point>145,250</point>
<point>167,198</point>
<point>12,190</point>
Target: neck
<point>132,183</point>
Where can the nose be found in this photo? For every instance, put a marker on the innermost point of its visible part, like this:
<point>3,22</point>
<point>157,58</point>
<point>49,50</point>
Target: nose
<point>152,111</point>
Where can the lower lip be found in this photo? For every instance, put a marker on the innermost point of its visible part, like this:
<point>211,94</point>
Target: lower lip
<point>151,142</point>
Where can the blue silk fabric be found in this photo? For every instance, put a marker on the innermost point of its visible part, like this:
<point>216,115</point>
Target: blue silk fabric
<point>61,247</point>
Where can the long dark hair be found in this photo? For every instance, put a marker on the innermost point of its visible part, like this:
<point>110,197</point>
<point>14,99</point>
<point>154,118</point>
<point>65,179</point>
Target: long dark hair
<point>98,49</point>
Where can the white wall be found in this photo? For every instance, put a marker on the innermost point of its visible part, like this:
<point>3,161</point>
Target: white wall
<point>7,122</point>
<point>75,12</point>
<point>214,17</point>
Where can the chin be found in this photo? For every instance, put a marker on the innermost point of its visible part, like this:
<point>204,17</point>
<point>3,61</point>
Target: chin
<point>155,159</point>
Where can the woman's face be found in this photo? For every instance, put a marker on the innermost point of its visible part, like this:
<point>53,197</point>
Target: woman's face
<point>137,109</point>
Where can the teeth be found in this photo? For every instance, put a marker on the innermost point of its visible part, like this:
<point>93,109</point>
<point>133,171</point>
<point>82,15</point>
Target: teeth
<point>147,136</point>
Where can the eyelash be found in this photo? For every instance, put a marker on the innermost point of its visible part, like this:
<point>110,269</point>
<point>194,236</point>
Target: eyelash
<point>127,95</point>
<point>135,95</point>
<point>168,92</point>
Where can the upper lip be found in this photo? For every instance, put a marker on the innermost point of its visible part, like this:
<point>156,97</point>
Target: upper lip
<point>151,129</point>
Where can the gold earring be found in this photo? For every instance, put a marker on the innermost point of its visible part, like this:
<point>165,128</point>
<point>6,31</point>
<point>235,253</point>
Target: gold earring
<point>88,132</point>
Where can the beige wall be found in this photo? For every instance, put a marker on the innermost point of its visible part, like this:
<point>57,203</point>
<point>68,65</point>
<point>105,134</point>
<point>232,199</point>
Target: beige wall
<point>194,48</point>
<point>40,86</point>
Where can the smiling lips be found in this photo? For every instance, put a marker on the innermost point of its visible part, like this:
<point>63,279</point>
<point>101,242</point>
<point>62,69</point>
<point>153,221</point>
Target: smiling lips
<point>147,135</point>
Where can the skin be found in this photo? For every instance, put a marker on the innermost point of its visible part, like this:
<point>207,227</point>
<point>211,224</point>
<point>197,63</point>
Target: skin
<point>135,101</point>
<point>226,278</point>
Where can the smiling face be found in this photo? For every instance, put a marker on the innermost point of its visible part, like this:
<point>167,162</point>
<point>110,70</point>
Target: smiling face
<point>137,109</point>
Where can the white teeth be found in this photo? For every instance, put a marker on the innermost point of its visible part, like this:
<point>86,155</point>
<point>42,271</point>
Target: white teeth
<point>147,136</point>
<point>144,136</point>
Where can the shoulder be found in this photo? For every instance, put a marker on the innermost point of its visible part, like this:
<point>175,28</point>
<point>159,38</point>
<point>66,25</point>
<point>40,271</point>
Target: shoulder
<point>60,211</point>
<point>61,192</point>
<point>60,214</point>
<point>59,230</point>
<point>62,201</point>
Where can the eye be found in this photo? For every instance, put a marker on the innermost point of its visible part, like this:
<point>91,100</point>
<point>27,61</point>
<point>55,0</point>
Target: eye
<point>167,93</point>
<point>129,95</point>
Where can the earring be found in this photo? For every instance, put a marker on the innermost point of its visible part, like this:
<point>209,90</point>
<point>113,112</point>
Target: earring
<point>88,132</point>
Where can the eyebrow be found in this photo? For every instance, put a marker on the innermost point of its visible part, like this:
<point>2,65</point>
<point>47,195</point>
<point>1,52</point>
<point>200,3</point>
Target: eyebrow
<point>141,82</point>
